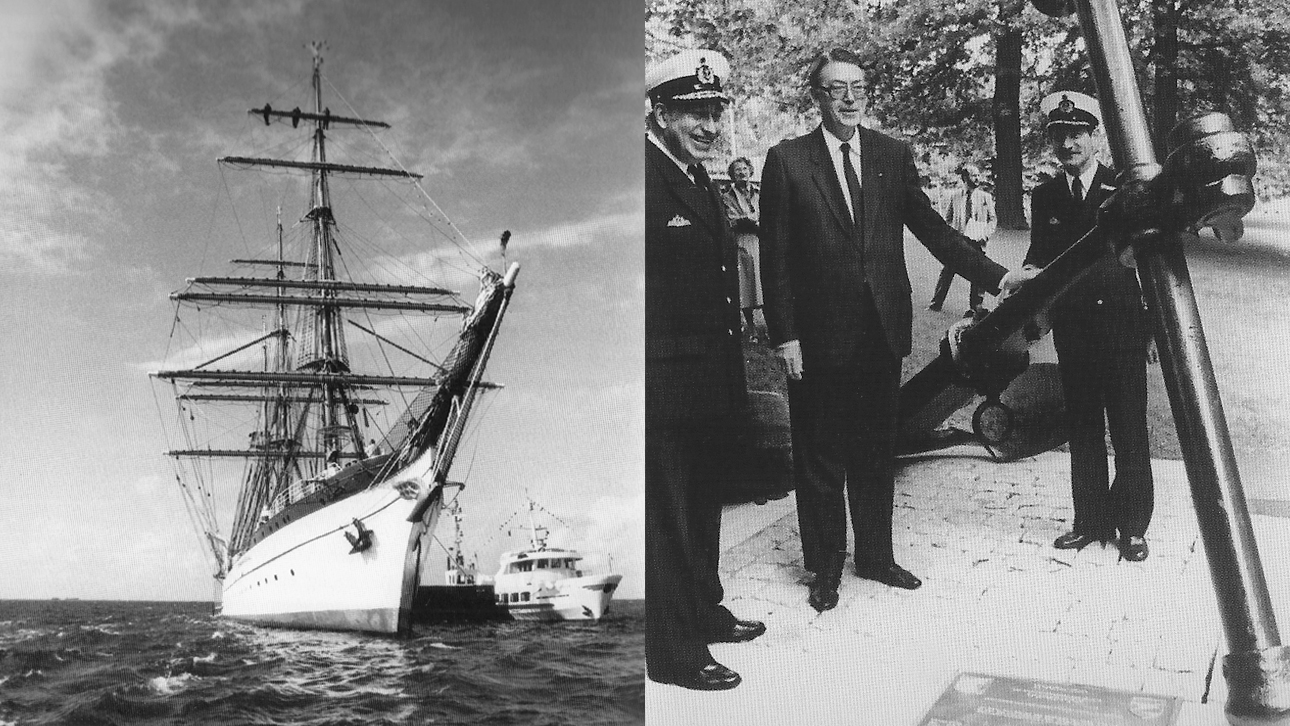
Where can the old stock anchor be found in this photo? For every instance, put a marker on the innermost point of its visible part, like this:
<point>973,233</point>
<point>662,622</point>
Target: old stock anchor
<point>1205,182</point>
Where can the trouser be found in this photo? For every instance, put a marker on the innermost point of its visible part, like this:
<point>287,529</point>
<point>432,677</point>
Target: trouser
<point>975,296</point>
<point>683,543</point>
<point>844,434</point>
<point>1104,381</point>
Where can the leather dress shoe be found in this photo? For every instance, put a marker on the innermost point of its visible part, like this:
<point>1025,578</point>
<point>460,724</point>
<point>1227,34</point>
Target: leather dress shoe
<point>1133,549</point>
<point>824,595</point>
<point>893,575</point>
<point>1077,540</point>
<point>711,677</point>
<point>740,631</point>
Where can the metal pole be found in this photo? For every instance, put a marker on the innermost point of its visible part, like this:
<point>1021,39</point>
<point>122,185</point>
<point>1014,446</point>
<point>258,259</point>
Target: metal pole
<point>1257,667</point>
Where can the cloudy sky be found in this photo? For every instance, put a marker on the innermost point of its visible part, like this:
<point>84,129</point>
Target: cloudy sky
<point>522,116</point>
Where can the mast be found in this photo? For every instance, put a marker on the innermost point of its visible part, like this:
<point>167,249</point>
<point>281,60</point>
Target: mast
<point>332,356</point>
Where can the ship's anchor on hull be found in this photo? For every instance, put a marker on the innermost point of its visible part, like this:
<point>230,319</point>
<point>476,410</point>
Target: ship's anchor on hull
<point>361,541</point>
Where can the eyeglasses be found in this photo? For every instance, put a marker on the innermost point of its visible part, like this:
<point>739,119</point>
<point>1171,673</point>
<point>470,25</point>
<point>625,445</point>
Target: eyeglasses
<point>838,91</point>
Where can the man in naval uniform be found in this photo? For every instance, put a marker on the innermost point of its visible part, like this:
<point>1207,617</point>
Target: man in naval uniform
<point>694,376</point>
<point>1102,334</point>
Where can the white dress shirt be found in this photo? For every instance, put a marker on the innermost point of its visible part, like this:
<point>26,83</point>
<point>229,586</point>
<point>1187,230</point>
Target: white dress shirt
<point>834,145</point>
<point>1085,178</point>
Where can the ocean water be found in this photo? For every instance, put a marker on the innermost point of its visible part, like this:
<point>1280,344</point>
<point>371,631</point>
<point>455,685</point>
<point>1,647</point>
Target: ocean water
<point>89,662</point>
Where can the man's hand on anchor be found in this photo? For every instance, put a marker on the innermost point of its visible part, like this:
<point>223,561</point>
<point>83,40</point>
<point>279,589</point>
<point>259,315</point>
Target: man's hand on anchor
<point>791,353</point>
<point>1013,279</point>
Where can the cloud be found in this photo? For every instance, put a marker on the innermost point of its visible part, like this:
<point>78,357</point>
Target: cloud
<point>55,114</point>
<point>610,534</point>
<point>201,351</point>
<point>447,266</point>
<point>590,231</point>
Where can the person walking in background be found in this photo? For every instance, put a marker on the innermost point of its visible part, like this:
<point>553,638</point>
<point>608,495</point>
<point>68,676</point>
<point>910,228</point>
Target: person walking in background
<point>838,310</point>
<point>694,376</point>
<point>1101,333</point>
<point>743,208</point>
<point>970,210</point>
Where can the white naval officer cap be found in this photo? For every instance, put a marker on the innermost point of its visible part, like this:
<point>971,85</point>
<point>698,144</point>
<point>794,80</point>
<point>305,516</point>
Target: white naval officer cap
<point>1071,109</point>
<point>691,76</point>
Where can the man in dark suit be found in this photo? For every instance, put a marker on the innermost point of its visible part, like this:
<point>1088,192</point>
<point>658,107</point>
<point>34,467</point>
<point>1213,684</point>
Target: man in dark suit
<point>1101,333</point>
<point>837,304</point>
<point>694,375</point>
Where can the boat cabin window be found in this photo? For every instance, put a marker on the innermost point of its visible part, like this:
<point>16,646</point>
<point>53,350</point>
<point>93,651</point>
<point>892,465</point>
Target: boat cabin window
<point>524,596</point>
<point>541,564</point>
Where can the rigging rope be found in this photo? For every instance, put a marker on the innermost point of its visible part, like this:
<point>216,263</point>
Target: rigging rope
<point>201,515</point>
<point>472,252</point>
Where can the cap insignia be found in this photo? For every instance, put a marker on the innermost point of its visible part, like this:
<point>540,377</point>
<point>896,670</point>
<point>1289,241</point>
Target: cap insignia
<point>704,72</point>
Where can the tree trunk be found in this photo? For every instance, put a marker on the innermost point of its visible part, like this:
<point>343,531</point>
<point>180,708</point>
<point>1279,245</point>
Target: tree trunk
<point>1007,119</point>
<point>1164,61</point>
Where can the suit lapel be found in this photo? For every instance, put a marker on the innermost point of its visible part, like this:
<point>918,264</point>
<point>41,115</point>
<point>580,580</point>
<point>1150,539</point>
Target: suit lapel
<point>826,179</point>
<point>702,203</point>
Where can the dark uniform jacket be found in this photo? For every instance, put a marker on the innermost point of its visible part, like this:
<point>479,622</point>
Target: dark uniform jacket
<point>1108,292</point>
<point>693,356</point>
<point>813,266</point>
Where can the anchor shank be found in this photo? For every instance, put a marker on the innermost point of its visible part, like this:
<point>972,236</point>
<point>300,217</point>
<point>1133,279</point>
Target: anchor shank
<point>1193,394</point>
<point>1217,494</point>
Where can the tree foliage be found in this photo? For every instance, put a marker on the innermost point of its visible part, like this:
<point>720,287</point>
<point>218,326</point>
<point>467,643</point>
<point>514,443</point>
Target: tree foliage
<point>933,67</point>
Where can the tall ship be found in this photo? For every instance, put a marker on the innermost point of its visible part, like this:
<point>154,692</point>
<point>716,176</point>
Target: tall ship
<point>319,417</point>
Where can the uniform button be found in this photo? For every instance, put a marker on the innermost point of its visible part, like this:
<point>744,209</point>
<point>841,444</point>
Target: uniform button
<point>1099,302</point>
<point>729,300</point>
<point>730,332</point>
<point>723,268</point>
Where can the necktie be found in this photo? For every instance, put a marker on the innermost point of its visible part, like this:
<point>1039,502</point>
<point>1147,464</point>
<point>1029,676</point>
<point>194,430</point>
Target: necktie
<point>1077,190</point>
<point>700,176</point>
<point>853,184</point>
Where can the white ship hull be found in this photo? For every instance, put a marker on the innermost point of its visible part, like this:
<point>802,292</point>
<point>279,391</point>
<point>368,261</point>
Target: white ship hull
<point>574,598</point>
<point>305,576</point>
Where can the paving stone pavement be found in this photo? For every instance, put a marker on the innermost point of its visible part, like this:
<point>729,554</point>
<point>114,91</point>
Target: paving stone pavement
<point>997,598</point>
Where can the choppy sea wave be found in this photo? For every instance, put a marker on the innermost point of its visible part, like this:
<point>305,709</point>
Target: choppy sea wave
<point>83,662</point>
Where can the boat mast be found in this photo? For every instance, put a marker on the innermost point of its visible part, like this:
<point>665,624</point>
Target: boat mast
<point>329,354</point>
<point>278,430</point>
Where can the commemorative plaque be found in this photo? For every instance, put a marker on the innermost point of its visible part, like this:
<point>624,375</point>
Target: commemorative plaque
<point>975,699</point>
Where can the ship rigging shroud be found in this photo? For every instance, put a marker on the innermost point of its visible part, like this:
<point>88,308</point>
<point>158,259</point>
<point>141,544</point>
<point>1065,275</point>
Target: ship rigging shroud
<point>307,397</point>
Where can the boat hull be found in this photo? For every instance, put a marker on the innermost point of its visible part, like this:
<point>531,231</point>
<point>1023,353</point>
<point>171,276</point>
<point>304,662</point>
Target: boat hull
<point>309,574</point>
<point>456,604</point>
<point>574,598</point>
